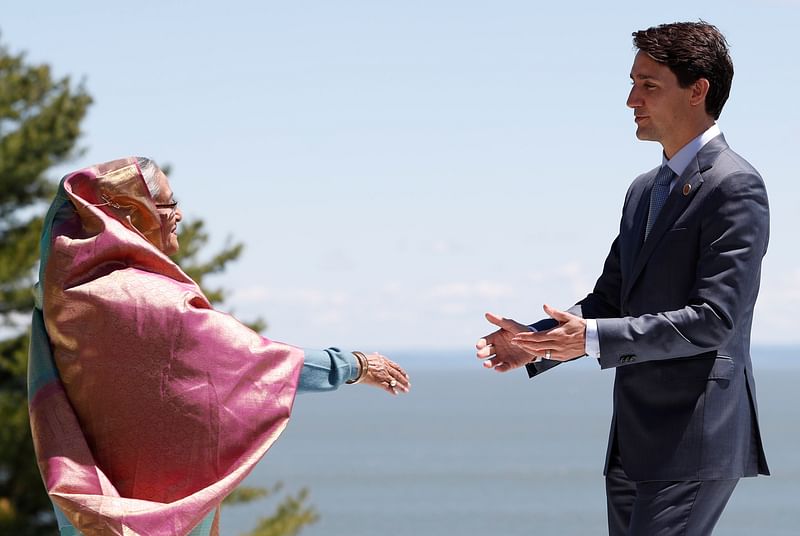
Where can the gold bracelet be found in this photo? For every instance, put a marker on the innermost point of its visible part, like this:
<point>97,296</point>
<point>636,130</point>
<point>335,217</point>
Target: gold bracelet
<point>364,368</point>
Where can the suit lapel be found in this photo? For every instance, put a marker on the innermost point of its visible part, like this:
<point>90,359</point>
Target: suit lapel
<point>679,199</point>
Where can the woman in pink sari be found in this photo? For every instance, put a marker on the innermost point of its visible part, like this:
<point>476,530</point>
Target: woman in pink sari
<point>147,406</point>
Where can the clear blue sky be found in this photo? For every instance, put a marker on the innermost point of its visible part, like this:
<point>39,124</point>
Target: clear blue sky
<point>395,169</point>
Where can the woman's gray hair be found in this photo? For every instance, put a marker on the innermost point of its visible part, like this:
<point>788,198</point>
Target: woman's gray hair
<point>149,171</point>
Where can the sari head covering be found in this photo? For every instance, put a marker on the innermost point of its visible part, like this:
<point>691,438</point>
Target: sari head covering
<point>147,406</point>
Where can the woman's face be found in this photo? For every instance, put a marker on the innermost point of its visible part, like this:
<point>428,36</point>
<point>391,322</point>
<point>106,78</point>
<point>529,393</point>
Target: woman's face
<point>170,215</point>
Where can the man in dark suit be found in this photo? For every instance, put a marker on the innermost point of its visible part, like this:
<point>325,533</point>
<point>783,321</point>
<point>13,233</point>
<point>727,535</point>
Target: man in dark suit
<point>673,307</point>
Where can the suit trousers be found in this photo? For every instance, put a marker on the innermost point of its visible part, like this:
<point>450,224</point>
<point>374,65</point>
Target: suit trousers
<point>663,508</point>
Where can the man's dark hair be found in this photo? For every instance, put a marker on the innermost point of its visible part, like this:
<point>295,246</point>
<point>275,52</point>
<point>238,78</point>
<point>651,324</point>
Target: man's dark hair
<point>692,50</point>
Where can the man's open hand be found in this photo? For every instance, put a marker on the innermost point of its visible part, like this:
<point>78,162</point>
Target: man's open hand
<point>503,356</point>
<point>561,343</point>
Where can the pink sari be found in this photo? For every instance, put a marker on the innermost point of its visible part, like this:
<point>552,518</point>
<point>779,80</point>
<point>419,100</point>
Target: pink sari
<point>147,406</point>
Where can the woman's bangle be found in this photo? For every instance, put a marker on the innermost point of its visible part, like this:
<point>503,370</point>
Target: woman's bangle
<point>363,368</point>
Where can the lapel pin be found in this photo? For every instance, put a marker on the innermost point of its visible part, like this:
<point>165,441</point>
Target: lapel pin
<point>686,189</point>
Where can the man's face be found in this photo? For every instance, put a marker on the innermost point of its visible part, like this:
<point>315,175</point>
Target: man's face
<point>661,108</point>
<point>170,215</point>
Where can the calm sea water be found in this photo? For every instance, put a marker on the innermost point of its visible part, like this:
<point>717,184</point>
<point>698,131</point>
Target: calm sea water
<point>473,452</point>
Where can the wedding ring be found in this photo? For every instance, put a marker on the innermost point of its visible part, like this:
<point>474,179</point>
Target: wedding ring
<point>393,383</point>
<point>547,354</point>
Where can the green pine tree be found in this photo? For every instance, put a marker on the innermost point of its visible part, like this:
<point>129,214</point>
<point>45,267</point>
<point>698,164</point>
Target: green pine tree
<point>40,118</point>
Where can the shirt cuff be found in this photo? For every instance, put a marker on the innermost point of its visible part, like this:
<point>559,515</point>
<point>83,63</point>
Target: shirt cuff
<point>592,338</point>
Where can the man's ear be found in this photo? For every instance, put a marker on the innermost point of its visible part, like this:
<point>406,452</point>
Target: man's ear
<point>699,92</point>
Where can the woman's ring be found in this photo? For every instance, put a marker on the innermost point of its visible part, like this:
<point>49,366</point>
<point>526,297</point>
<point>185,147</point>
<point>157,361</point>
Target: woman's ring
<point>547,354</point>
<point>393,383</point>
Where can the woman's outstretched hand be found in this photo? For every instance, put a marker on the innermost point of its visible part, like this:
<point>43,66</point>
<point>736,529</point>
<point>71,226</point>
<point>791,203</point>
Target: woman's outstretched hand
<point>386,374</point>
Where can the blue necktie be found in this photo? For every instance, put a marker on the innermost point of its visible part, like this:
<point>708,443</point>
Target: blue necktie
<point>658,196</point>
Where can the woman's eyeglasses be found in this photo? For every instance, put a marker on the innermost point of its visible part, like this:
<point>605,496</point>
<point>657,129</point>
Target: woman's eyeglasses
<point>171,206</point>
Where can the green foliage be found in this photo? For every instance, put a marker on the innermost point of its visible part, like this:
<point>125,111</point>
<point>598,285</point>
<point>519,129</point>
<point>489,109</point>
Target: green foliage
<point>24,506</point>
<point>288,520</point>
<point>245,494</point>
<point>39,126</point>
<point>193,238</point>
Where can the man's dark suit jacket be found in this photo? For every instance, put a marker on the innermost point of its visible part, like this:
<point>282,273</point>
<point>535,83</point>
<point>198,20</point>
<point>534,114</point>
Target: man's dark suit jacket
<point>674,314</point>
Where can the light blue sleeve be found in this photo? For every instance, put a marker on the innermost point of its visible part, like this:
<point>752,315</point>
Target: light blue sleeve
<point>326,370</point>
<point>65,528</point>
